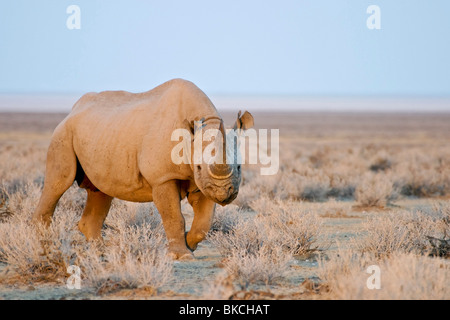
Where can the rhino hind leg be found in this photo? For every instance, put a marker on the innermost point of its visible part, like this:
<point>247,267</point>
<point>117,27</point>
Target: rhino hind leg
<point>59,176</point>
<point>94,214</point>
<point>96,209</point>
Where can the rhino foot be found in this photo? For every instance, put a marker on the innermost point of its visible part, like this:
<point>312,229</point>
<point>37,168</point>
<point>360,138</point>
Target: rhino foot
<point>184,255</point>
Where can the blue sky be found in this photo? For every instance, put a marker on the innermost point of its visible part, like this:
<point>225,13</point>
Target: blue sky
<point>283,47</point>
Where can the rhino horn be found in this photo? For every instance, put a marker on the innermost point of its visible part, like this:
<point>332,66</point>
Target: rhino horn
<point>220,171</point>
<point>224,141</point>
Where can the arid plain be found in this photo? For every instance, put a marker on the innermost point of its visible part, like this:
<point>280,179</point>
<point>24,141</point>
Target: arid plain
<point>353,190</point>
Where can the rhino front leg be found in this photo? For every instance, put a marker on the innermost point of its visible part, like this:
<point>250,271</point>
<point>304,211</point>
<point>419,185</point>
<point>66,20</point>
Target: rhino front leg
<point>203,216</point>
<point>167,200</point>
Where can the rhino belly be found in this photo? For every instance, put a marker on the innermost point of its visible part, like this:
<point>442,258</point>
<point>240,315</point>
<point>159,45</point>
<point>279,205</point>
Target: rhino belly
<point>111,169</point>
<point>118,186</point>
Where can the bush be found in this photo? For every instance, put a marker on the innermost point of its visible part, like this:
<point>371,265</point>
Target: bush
<point>404,232</point>
<point>288,226</point>
<point>37,253</point>
<point>135,258</point>
<point>403,276</point>
<point>226,218</point>
<point>374,190</point>
<point>258,248</point>
<point>133,254</point>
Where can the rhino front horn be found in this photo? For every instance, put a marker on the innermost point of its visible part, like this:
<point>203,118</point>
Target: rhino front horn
<point>220,171</point>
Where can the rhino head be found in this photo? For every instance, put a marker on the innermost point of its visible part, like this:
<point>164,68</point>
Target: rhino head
<point>219,176</point>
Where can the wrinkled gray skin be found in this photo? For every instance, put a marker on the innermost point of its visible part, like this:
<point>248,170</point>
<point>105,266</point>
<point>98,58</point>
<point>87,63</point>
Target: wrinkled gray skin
<point>118,144</point>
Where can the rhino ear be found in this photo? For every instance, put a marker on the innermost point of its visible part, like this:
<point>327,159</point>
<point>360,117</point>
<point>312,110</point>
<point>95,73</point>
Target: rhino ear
<point>189,125</point>
<point>244,122</point>
<point>194,126</point>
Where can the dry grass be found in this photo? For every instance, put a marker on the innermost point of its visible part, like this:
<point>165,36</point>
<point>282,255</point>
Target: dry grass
<point>402,276</point>
<point>249,257</point>
<point>226,218</point>
<point>259,246</point>
<point>137,259</point>
<point>133,254</point>
<point>330,165</point>
<point>373,163</point>
<point>408,247</point>
<point>288,225</point>
<point>375,190</point>
<point>406,232</point>
<point>32,251</point>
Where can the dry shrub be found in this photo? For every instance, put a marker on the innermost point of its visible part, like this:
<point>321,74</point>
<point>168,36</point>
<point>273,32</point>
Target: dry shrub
<point>440,241</point>
<point>402,276</point>
<point>135,258</point>
<point>245,235</point>
<point>404,232</point>
<point>372,173</point>
<point>380,164</point>
<point>265,265</point>
<point>33,251</point>
<point>256,185</point>
<point>221,288</point>
<point>310,185</point>
<point>342,183</point>
<point>23,198</point>
<point>124,213</point>
<point>424,178</point>
<point>73,199</point>
<point>226,218</point>
<point>251,260</point>
<point>374,190</point>
<point>250,257</point>
<point>22,165</point>
<point>288,184</point>
<point>259,247</point>
<point>133,254</point>
<point>22,161</point>
<point>37,253</point>
<point>288,225</point>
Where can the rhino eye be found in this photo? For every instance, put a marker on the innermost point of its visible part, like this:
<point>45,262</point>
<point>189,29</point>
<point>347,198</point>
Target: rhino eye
<point>239,167</point>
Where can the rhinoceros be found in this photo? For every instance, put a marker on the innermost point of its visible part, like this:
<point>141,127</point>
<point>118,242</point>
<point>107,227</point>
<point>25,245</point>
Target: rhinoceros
<point>117,144</point>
